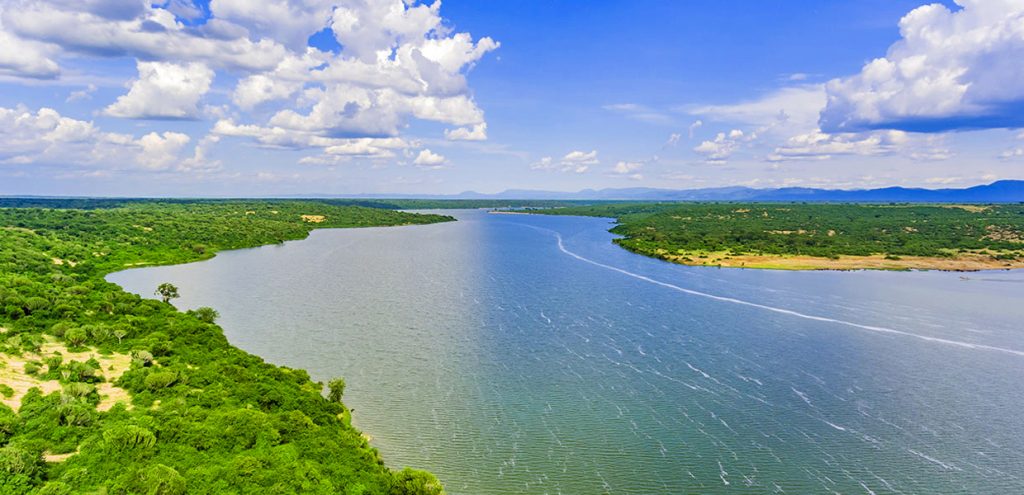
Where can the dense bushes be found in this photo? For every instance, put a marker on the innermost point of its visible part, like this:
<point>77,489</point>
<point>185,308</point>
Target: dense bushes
<point>205,417</point>
<point>823,230</point>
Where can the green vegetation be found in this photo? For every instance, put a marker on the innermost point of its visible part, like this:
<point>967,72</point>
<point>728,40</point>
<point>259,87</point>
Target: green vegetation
<point>682,231</point>
<point>106,392</point>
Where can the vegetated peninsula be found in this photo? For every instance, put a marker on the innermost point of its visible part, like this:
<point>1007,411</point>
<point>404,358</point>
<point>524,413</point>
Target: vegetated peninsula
<point>102,391</point>
<point>802,236</point>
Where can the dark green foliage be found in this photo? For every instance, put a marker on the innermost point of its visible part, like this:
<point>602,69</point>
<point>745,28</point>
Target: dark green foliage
<point>207,417</point>
<point>824,230</point>
<point>205,314</point>
<point>336,389</point>
<point>167,291</point>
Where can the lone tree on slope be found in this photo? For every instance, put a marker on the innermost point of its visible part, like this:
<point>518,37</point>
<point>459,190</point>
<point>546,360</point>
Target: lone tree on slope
<point>167,291</point>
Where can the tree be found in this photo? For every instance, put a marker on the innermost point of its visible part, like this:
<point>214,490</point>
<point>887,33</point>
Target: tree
<point>167,291</point>
<point>120,332</point>
<point>206,314</point>
<point>337,389</point>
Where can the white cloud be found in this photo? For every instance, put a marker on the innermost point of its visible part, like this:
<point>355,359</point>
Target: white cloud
<point>673,139</point>
<point>950,70</point>
<point>137,29</point>
<point>819,145</point>
<point>624,167</point>
<point>628,169</point>
<point>82,94</point>
<point>289,22</point>
<point>370,30</point>
<point>719,149</point>
<point>429,159</point>
<point>159,151</point>
<point>784,111</point>
<point>477,133</point>
<point>581,158</point>
<point>335,149</point>
<point>575,161</point>
<point>200,160</point>
<point>45,137</point>
<point>1012,154</point>
<point>640,113</point>
<point>694,126</point>
<point>25,58</point>
<point>398,62</point>
<point>164,91</point>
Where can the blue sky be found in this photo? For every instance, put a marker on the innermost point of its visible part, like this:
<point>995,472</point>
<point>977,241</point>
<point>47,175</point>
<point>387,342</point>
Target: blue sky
<point>236,98</point>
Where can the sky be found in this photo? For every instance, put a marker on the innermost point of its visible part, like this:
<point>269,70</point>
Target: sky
<point>291,97</point>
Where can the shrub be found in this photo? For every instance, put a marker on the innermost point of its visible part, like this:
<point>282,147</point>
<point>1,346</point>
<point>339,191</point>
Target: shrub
<point>415,482</point>
<point>337,389</point>
<point>160,379</point>
<point>126,437</point>
<point>156,479</point>
<point>75,336</point>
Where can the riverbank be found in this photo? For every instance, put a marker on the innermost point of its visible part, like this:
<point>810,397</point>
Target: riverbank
<point>802,236</point>
<point>960,263</point>
<point>113,392</point>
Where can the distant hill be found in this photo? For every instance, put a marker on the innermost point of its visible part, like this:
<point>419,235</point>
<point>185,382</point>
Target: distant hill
<point>1004,191</point>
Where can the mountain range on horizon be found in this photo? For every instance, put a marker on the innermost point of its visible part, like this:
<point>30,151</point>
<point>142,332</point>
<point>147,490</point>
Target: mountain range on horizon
<point>1003,191</point>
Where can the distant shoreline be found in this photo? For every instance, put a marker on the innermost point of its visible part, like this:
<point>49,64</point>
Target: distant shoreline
<point>963,263</point>
<point>841,237</point>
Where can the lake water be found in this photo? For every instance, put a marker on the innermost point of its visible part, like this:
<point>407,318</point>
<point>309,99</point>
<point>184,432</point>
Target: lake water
<point>528,354</point>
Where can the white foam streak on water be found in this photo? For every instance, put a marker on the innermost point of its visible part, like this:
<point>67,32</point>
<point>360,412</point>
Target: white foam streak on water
<point>967,345</point>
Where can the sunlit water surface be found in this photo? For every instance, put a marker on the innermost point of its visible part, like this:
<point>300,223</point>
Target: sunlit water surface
<point>529,354</point>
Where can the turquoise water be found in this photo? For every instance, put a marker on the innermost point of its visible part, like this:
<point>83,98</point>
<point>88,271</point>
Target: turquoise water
<point>528,354</point>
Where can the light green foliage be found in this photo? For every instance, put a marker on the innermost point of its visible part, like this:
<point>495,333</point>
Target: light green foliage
<point>160,379</point>
<point>415,482</point>
<point>126,437</point>
<point>76,336</point>
<point>205,416</point>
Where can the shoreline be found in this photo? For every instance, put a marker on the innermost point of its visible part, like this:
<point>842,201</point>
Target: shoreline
<point>963,263</point>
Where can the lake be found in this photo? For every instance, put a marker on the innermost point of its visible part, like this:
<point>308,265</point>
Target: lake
<point>528,354</point>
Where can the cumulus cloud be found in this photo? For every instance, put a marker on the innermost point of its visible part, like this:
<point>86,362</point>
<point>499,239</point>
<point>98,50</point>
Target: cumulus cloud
<point>429,159</point>
<point>25,58</point>
<point>574,161</point>
<point>477,133</point>
<point>160,150</point>
<point>581,158</point>
<point>164,91</point>
<point>137,29</point>
<point>819,145</point>
<point>397,62</point>
<point>82,94</point>
<point>45,137</point>
<point>949,70</point>
<point>719,149</point>
<point>628,169</point>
